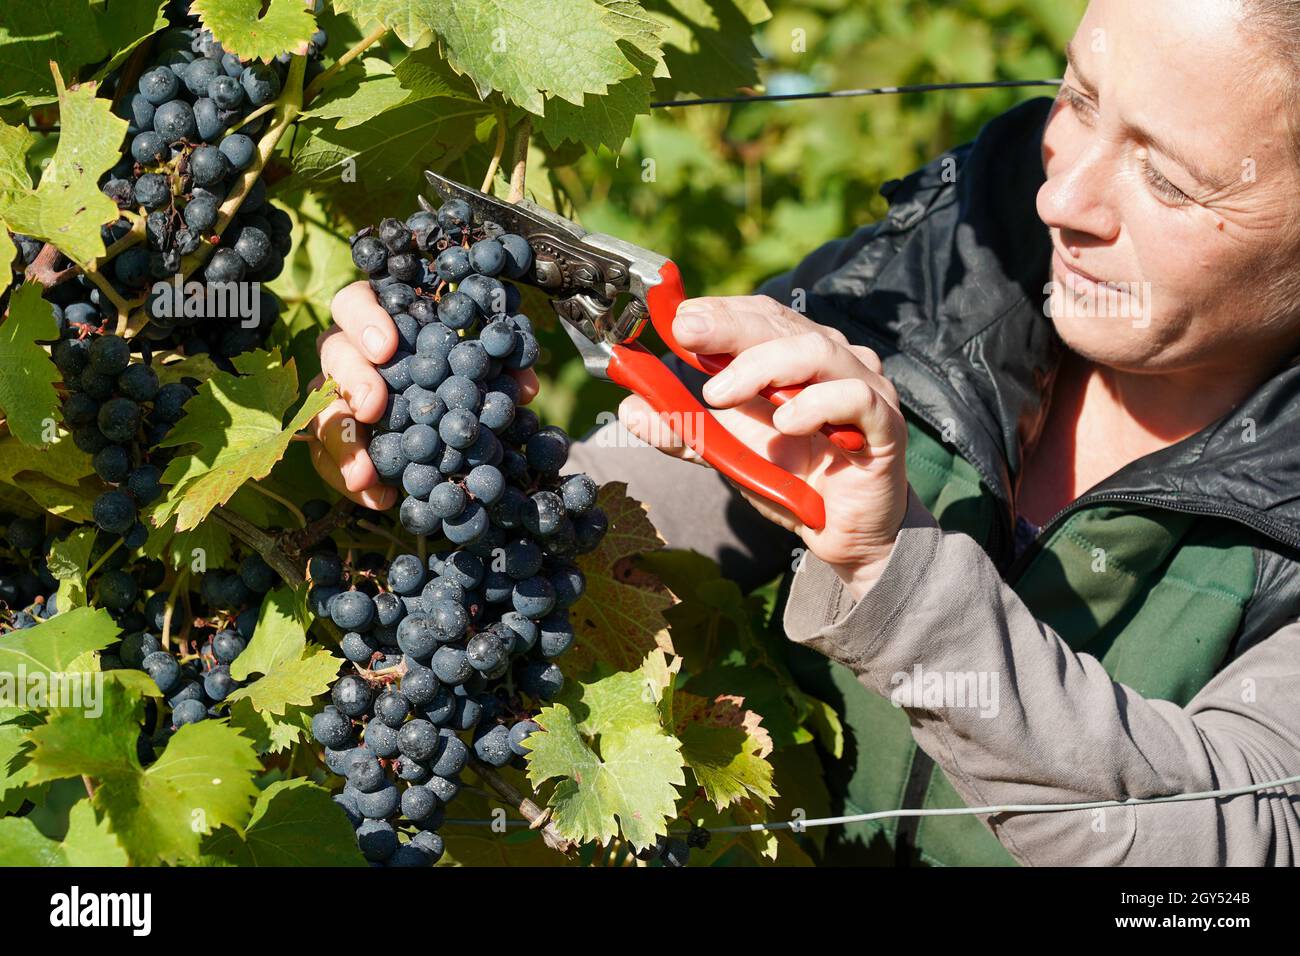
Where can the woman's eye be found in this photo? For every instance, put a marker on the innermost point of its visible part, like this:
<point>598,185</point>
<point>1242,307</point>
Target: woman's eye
<point>1082,106</point>
<point>1163,186</point>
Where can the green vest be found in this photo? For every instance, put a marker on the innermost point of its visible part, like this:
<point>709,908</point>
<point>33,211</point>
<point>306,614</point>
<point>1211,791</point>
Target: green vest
<point>1157,596</point>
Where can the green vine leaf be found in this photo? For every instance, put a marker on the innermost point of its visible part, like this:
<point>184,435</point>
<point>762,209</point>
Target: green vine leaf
<point>68,561</point>
<point>359,162</point>
<point>709,47</point>
<point>52,646</point>
<point>88,842</point>
<point>67,208</point>
<point>27,374</point>
<point>360,93</point>
<point>295,823</point>
<point>202,780</point>
<point>294,672</point>
<point>245,28</point>
<point>236,422</point>
<point>616,764</point>
<point>524,49</point>
<point>72,33</point>
<point>56,477</point>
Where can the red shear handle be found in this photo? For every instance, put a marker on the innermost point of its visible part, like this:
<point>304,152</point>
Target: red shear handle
<point>637,370</point>
<point>663,300</point>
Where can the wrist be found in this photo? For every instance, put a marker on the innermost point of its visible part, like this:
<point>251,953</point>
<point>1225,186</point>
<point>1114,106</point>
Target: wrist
<point>859,576</point>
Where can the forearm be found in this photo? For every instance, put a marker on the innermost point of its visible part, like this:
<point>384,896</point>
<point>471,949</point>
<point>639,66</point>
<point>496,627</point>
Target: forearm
<point>1059,730</point>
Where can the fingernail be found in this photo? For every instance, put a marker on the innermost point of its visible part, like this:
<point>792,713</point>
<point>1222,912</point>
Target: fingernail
<point>359,397</point>
<point>374,342</point>
<point>690,323</point>
<point>720,386</point>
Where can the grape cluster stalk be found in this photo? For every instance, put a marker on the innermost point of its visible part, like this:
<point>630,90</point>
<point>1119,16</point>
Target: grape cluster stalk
<point>451,656</point>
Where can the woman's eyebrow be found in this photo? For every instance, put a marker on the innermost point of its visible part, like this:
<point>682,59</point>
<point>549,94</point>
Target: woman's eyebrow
<point>1210,180</point>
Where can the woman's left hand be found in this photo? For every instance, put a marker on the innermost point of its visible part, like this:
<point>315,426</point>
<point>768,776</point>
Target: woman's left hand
<point>865,492</point>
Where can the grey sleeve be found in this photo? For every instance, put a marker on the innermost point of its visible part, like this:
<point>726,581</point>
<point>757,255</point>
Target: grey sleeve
<point>1059,730</point>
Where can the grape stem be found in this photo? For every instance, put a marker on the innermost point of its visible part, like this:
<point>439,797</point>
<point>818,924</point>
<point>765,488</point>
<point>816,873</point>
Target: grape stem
<point>102,558</point>
<point>104,286</point>
<point>170,608</point>
<point>375,529</point>
<point>497,153</point>
<point>520,168</point>
<point>371,38</point>
<point>537,817</point>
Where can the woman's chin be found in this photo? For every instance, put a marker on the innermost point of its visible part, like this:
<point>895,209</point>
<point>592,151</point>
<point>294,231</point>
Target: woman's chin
<point>1111,340</point>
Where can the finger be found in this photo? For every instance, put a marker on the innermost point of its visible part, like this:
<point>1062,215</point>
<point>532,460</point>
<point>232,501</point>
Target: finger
<point>637,416</point>
<point>379,498</point>
<point>346,441</point>
<point>368,327</point>
<point>844,402</point>
<point>810,357</point>
<point>361,386</point>
<point>730,324</point>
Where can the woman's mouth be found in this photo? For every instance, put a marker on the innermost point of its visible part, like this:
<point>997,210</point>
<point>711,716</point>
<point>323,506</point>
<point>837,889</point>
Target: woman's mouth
<point>1078,278</point>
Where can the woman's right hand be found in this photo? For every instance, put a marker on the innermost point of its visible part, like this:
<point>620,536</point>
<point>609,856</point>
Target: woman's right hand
<point>363,336</point>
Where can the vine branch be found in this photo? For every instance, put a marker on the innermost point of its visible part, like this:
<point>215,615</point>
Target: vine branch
<point>264,544</point>
<point>538,818</point>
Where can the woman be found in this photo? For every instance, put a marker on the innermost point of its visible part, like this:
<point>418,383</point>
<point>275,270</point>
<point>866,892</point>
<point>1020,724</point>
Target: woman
<point>1064,567</point>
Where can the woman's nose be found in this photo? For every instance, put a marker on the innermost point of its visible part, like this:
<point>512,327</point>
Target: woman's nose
<point>1079,194</point>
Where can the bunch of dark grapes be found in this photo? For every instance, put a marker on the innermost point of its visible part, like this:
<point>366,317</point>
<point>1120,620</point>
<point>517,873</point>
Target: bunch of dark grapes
<point>181,161</point>
<point>26,585</point>
<point>193,672</point>
<point>118,412</point>
<point>465,643</point>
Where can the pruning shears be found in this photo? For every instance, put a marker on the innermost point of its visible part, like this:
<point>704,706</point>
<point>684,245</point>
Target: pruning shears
<point>585,274</point>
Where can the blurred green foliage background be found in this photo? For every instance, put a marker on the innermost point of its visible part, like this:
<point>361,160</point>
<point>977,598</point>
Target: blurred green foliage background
<point>736,194</point>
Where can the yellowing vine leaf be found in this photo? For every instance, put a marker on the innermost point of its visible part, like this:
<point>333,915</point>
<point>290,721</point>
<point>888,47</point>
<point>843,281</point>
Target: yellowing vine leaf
<point>51,646</point>
<point>620,618</point>
<point>236,422</point>
<point>67,208</point>
<point>725,746</point>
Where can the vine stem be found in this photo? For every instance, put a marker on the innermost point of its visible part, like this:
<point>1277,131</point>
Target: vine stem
<point>123,310</point>
<point>371,38</point>
<point>42,268</point>
<point>263,543</point>
<point>520,168</point>
<point>170,608</point>
<point>292,508</point>
<point>496,155</point>
<point>538,818</point>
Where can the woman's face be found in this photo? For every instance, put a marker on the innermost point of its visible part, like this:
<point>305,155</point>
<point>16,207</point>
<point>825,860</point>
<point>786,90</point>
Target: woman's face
<point>1170,173</point>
